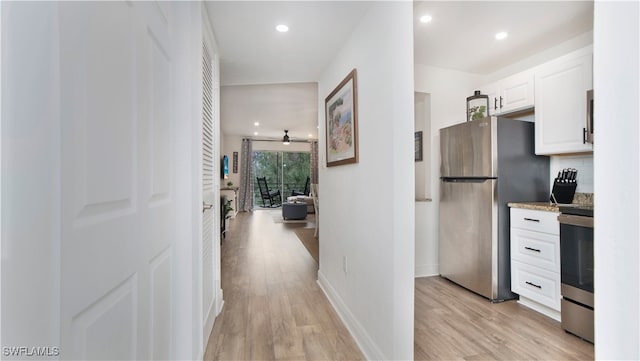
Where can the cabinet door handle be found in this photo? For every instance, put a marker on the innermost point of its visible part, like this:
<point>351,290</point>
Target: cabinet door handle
<point>534,285</point>
<point>206,206</point>
<point>584,135</point>
<point>532,220</point>
<point>500,102</point>
<point>495,103</point>
<point>532,249</point>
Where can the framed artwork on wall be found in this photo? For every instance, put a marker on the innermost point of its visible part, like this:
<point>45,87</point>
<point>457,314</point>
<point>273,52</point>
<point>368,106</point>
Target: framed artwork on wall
<point>341,118</point>
<point>417,146</point>
<point>235,162</point>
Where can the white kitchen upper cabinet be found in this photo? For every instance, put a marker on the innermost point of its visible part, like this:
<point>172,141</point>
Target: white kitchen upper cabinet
<point>511,94</point>
<point>516,92</point>
<point>561,104</point>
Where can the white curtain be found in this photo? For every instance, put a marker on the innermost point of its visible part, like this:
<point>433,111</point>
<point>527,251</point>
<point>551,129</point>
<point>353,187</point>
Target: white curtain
<point>245,201</point>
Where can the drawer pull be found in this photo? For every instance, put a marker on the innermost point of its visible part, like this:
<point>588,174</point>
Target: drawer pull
<point>534,285</point>
<point>532,220</point>
<point>532,249</point>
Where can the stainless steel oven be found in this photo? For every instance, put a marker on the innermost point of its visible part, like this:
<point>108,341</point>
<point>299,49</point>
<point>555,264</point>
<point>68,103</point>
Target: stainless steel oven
<point>576,270</point>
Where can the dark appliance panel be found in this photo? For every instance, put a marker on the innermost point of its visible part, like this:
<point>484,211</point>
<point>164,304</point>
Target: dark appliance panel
<point>576,255</point>
<point>576,270</point>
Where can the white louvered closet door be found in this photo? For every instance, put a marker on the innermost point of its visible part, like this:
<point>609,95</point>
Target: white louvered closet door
<point>209,208</point>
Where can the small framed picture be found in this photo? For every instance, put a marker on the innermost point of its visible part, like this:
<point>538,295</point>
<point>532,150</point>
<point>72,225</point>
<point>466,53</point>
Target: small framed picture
<point>418,146</point>
<point>235,162</point>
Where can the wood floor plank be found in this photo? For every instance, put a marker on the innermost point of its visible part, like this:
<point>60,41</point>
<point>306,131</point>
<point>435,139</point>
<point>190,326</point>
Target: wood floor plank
<point>454,323</point>
<point>288,342</point>
<point>317,344</point>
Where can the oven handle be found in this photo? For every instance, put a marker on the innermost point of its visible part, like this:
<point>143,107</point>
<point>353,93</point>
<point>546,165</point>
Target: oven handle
<point>580,221</point>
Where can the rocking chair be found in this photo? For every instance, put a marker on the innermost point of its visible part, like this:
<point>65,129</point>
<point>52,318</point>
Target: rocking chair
<point>274,198</point>
<point>306,189</point>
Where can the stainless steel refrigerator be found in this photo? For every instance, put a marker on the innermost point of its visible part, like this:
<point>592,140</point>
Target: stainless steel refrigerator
<point>485,164</point>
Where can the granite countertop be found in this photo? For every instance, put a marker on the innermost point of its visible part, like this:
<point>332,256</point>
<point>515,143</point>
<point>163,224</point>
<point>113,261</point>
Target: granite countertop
<point>579,198</point>
<point>537,206</point>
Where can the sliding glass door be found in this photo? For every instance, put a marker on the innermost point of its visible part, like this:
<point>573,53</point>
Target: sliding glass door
<point>285,171</point>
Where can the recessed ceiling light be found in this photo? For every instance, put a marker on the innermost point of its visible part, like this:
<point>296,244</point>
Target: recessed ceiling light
<point>256,124</point>
<point>255,133</point>
<point>310,135</point>
<point>426,19</point>
<point>282,28</point>
<point>501,35</point>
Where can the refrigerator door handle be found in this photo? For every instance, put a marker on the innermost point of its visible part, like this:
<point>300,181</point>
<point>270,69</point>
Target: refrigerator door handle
<point>467,179</point>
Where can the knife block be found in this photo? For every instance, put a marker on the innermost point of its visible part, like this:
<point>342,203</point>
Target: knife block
<point>563,192</point>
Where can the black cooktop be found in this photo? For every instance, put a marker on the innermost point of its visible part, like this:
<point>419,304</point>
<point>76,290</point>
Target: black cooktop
<point>576,209</point>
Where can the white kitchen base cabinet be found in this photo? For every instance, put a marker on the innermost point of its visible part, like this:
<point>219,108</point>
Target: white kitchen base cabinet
<point>535,260</point>
<point>538,287</point>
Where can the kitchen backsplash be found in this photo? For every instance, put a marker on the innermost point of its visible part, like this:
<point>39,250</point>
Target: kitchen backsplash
<point>584,165</point>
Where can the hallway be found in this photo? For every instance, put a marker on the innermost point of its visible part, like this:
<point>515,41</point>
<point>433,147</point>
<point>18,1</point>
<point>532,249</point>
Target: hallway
<point>274,309</point>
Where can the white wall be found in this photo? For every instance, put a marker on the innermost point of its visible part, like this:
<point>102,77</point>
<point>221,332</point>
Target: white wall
<point>367,208</point>
<point>617,170</point>
<point>448,90</point>
<point>30,176</point>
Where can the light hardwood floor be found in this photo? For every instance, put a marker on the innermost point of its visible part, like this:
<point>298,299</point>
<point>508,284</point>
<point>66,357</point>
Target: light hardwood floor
<point>452,323</point>
<point>274,310</point>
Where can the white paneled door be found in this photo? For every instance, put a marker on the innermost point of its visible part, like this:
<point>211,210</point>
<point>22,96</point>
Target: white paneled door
<point>118,206</point>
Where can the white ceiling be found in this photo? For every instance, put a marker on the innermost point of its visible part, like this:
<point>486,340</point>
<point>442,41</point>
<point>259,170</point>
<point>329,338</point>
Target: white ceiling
<point>253,52</point>
<point>460,37</point>
<point>275,106</point>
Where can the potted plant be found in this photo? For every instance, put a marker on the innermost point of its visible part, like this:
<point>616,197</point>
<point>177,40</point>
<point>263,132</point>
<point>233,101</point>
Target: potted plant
<point>227,209</point>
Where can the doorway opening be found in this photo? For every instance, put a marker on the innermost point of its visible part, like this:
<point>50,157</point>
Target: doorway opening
<point>284,171</point>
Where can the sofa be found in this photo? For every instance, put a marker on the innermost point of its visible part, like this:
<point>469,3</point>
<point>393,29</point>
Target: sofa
<point>303,199</point>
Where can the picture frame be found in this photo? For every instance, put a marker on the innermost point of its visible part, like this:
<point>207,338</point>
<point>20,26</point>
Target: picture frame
<point>235,162</point>
<point>477,106</point>
<point>341,121</point>
<point>418,146</point>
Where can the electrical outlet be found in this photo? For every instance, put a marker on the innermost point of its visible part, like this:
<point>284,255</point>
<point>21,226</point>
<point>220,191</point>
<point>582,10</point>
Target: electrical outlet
<point>344,264</point>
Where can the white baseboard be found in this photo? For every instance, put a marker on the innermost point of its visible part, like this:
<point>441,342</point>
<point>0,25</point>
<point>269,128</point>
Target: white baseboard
<point>547,311</point>
<point>359,334</point>
<point>212,314</point>
<point>219,301</point>
<point>208,324</point>
<point>427,270</point>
